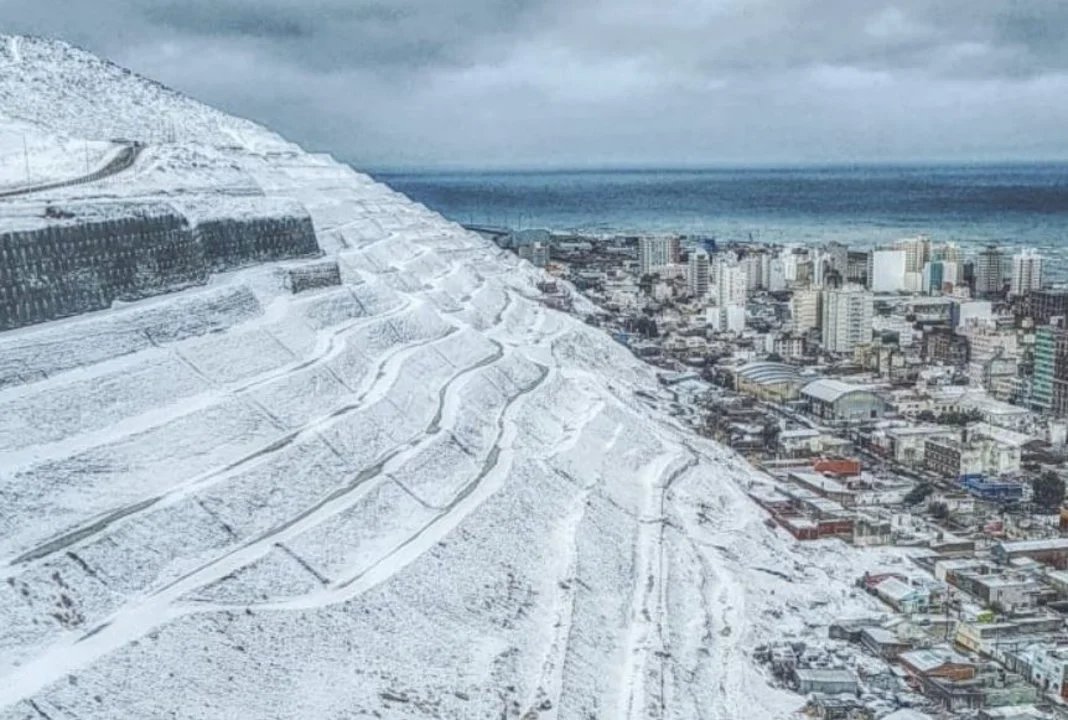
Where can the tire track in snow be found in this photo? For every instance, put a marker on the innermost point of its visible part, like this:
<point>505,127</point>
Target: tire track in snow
<point>370,392</point>
<point>161,606</point>
<point>486,482</point>
<point>550,682</point>
<point>158,417</point>
<point>646,632</point>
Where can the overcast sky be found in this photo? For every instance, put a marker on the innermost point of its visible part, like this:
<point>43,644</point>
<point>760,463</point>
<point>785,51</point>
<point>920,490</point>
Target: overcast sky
<point>595,82</point>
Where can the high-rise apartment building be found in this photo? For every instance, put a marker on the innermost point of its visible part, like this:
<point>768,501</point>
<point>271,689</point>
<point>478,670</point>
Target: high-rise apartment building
<point>1045,304</point>
<point>847,319</point>
<point>857,262</point>
<point>952,259</point>
<point>731,284</point>
<point>699,275</point>
<point>887,271</point>
<point>805,306</point>
<point>656,252</point>
<point>989,271</point>
<point>917,252</point>
<point>1026,272</point>
<point>1049,385</point>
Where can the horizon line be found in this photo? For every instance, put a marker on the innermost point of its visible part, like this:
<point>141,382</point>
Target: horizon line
<point>447,168</point>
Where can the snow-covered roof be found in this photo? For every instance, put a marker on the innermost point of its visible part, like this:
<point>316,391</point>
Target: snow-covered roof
<point>1021,546</point>
<point>835,675</point>
<point>988,405</point>
<point>921,430</point>
<point>882,635</point>
<point>930,659</point>
<point>907,714</point>
<point>799,433</point>
<point>1000,435</point>
<point>895,589</point>
<point>831,389</point>
<point>767,373</point>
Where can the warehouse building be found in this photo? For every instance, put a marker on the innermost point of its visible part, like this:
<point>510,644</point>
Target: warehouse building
<point>840,403</point>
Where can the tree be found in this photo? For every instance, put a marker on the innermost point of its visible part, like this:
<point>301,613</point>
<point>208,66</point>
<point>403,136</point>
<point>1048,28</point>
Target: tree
<point>918,494</point>
<point>954,417</point>
<point>770,434</point>
<point>1048,490</point>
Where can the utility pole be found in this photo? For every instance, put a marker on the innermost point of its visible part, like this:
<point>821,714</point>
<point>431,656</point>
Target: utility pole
<point>26,156</point>
<point>85,144</point>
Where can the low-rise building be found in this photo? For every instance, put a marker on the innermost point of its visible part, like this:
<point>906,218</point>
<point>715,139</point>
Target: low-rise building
<point>882,643</point>
<point>1052,552</point>
<point>829,681</point>
<point>993,638</point>
<point>902,596</point>
<point>942,345</point>
<point>838,403</point>
<point>870,530</point>
<point>983,451</point>
<point>950,458</point>
<point>800,442</point>
<point>1007,593</point>
<point>993,490</point>
<point>824,487</point>
<point>908,445</point>
<point>937,662</point>
<point>770,381</point>
<point>1047,667</point>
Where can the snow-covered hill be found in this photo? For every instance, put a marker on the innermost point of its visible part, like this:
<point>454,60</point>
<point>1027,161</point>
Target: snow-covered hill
<point>416,493</point>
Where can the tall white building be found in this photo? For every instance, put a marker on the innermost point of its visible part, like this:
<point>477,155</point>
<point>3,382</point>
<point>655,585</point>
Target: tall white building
<point>776,274</point>
<point>847,319</point>
<point>805,306</point>
<point>655,252</point>
<point>699,274</point>
<point>755,268</point>
<point>1026,272</point>
<point>789,265</point>
<point>732,285</point>
<point>917,252</point>
<point>887,271</point>
<point>820,265</point>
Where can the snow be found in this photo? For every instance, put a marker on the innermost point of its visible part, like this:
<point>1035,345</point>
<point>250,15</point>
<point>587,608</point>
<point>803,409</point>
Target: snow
<point>418,494</point>
<point>30,155</point>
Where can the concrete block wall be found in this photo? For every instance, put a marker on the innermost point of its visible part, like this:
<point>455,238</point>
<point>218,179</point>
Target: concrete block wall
<point>231,243</point>
<point>67,267</point>
<point>313,276</point>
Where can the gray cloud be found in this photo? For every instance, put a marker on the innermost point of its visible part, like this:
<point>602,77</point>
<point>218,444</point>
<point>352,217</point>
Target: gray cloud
<point>490,82</point>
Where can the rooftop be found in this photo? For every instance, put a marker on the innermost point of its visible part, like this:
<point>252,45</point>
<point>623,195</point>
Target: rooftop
<point>799,433</point>
<point>831,389</point>
<point>825,674</point>
<point>767,373</point>
<point>882,636</point>
<point>1032,545</point>
<point>895,589</point>
<point>933,658</point>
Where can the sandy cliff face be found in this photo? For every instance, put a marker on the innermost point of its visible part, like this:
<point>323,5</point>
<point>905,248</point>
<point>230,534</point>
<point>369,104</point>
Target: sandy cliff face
<point>409,490</point>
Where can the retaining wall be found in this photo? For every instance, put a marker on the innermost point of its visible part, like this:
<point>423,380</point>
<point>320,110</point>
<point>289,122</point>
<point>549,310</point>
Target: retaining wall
<point>72,261</point>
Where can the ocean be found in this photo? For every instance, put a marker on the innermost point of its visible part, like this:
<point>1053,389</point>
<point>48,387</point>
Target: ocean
<point>1007,205</point>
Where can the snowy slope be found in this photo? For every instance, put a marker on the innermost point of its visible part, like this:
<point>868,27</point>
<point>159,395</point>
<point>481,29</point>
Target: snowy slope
<point>30,156</point>
<point>417,494</point>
